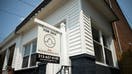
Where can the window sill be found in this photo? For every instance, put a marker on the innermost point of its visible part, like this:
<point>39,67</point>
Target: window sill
<point>103,64</point>
<point>28,67</point>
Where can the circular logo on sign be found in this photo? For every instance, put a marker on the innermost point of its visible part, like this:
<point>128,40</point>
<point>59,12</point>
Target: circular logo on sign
<point>49,41</point>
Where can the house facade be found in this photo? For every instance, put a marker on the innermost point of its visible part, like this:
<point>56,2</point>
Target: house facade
<point>66,37</point>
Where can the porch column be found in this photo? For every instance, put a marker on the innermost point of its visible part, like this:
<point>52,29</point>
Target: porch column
<point>64,55</point>
<point>42,68</point>
<point>83,64</point>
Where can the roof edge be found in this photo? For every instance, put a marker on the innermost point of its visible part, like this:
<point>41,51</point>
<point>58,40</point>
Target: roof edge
<point>41,5</point>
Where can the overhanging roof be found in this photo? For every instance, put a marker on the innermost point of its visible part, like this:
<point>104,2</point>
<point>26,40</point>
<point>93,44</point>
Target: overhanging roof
<point>100,5</point>
<point>13,35</point>
<point>43,4</point>
<point>104,8</point>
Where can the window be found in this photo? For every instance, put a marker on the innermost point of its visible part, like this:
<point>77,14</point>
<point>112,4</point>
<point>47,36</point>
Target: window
<point>96,36</point>
<point>98,52</point>
<point>102,47</point>
<point>29,57</point>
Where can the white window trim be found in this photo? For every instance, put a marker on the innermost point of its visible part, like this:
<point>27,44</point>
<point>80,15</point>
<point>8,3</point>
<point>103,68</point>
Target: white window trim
<point>102,45</point>
<point>6,59</point>
<point>109,48</point>
<point>30,53</point>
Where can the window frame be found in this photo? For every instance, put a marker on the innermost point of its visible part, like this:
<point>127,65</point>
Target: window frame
<point>30,54</point>
<point>101,43</point>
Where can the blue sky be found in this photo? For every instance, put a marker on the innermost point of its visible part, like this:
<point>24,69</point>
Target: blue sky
<point>126,7</point>
<point>12,12</point>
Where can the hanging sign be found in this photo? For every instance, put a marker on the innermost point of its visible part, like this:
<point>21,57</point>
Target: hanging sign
<point>49,48</point>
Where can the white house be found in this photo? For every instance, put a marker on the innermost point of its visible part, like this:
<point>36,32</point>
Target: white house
<point>63,37</point>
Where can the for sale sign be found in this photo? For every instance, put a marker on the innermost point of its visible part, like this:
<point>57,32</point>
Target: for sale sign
<point>48,44</point>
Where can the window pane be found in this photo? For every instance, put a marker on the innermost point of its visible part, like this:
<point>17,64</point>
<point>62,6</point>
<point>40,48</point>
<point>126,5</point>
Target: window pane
<point>27,50</point>
<point>25,61</point>
<point>105,41</point>
<point>108,55</point>
<point>33,60</point>
<point>98,52</point>
<point>34,46</point>
<point>95,34</point>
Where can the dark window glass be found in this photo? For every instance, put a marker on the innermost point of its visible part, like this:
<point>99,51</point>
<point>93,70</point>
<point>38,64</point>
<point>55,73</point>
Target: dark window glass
<point>10,59</point>
<point>27,50</point>
<point>29,54</point>
<point>33,60</point>
<point>98,52</point>
<point>95,34</point>
<point>25,61</point>
<point>108,56</point>
<point>34,46</point>
<point>105,40</point>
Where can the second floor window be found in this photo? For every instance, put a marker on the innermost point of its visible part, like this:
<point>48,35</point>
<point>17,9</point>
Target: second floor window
<point>102,49</point>
<point>29,58</point>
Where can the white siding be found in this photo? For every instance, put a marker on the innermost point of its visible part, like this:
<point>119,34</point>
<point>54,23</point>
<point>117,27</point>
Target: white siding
<point>5,48</point>
<point>70,12</point>
<point>18,54</point>
<point>74,41</point>
<point>26,37</point>
<point>88,34</point>
<point>20,41</point>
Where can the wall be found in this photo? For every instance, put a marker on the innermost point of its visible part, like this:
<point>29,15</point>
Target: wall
<point>18,52</point>
<point>78,27</point>
<point>69,12</point>
<point>5,48</point>
<point>25,38</point>
<point>98,21</point>
<point>77,15</point>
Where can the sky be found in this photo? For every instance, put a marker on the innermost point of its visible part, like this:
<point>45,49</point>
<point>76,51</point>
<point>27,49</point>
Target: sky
<point>126,7</point>
<point>12,12</point>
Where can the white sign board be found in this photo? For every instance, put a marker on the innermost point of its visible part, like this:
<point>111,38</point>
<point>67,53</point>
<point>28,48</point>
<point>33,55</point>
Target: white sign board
<point>50,42</point>
<point>49,38</point>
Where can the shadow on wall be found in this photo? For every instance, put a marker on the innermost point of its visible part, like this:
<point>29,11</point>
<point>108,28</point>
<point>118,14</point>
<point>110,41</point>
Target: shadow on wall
<point>125,63</point>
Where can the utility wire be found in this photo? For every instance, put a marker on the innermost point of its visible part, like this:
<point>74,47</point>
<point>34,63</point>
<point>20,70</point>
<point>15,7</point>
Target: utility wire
<point>11,13</point>
<point>26,3</point>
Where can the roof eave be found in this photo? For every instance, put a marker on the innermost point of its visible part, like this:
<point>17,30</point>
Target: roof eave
<point>103,8</point>
<point>41,5</point>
